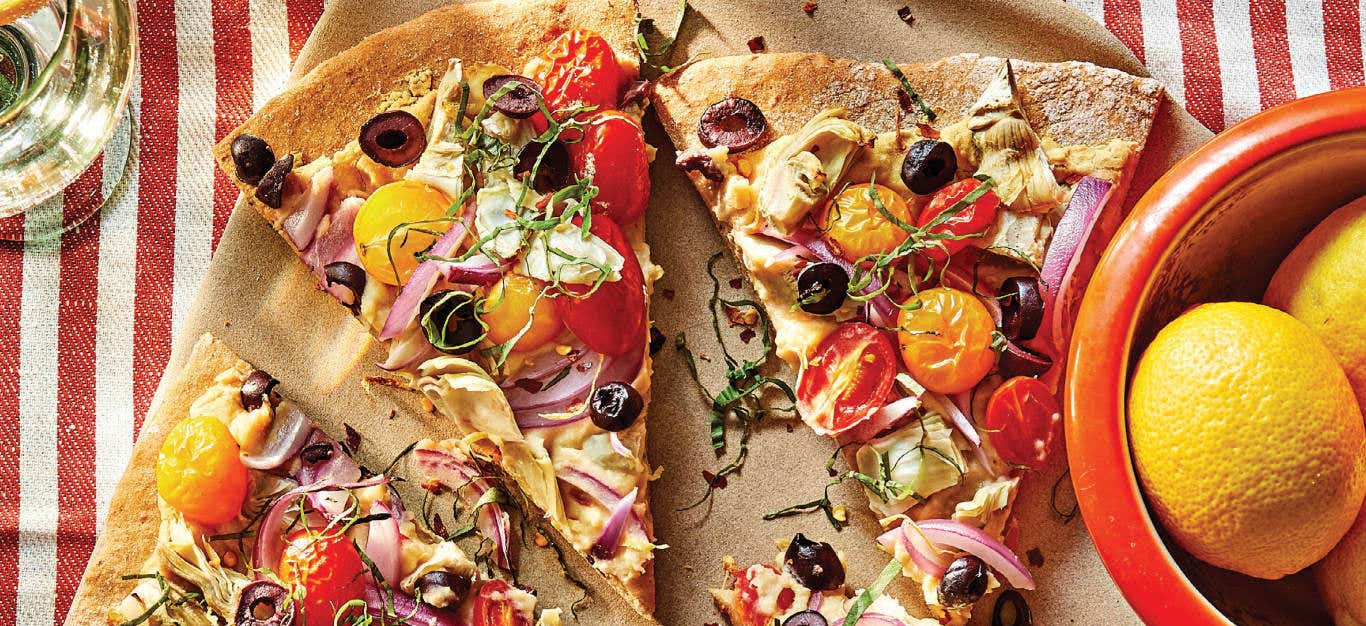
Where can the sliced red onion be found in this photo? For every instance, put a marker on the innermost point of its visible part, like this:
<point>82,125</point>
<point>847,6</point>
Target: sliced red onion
<point>270,540</point>
<point>882,420</point>
<point>456,471</point>
<point>337,243</point>
<point>544,367</point>
<point>476,270</point>
<point>383,543</point>
<point>872,619</point>
<point>408,351</point>
<point>495,523</point>
<point>972,540</point>
<point>619,447</point>
<point>817,597</point>
<point>599,491</point>
<point>960,422</point>
<point>379,602</point>
<point>420,283</point>
<point>303,222</point>
<point>792,251</point>
<point>609,541</point>
<point>336,468</point>
<point>923,555</point>
<point>1062,277</point>
<point>288,431</point>
<point>531,409</point>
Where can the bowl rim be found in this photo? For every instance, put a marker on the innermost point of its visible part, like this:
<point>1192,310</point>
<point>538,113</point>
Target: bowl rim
<point>1097,372</point>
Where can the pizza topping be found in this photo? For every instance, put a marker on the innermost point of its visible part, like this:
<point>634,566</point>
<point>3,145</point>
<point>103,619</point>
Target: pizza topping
<point>865,220</point>
<point>398,223</point>
<point>614,144</point>
<point>807,617</point>
<point>200,473</point>
<point>700,162</point>
<point>964,582</point>
<point>327,569</point>
<point>451,322</point>
<point>1009,149</point>
<point>1011,610</point>
<point>580,68</point>
<point>350,278</point>
<point>442,588</point>
<point>520,97</point>
<point>615,406</point>
<point>910,464</point>
<point>551,165</point>
<point>264,603</point>
<point>1022,421</point>
<point>609,542</point>
<point>735,123</point>
<point>289,430</point>
<point>271,190</point>
<point>929,165</point>
<point>1017,360</point>
<point>500,604</point>
<point>1022,307</point>
<point>255,389</point>
<point>822,288</point>
<point>814,564</point>
<point>946,339</point>
<point>252,157</point>
<point>798,172</point>
<point>393,138</point>
<point>956,215</point>
<point>846,378</point>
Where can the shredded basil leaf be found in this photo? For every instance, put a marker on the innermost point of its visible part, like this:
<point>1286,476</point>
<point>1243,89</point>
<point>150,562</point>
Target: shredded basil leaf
<point>865,599</point>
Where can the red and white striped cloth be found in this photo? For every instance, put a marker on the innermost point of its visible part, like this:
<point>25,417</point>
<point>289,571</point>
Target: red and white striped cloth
<point>86,322</point>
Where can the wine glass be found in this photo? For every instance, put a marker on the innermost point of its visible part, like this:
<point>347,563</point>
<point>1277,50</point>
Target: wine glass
<point>65,74</point>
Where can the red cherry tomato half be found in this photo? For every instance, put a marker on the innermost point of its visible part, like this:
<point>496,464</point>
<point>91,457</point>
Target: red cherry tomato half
<point>614,146</point>
<point>748,612</point>
<point>1022,421</point>
<point>611,320</point>
<point>494,607</point>
<point>846,378</point>
<point>970,220</point>
<point>328,569</point>
<point>579,68</point>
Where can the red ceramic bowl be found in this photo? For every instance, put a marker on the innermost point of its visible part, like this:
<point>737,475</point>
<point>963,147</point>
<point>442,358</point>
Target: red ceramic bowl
<point>1214,228</point>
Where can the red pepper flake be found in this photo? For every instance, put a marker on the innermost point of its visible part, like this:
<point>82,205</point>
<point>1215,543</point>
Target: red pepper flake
<point>809,8</point>
<point>927,131</point>
<point>716,482</point>
<point>735,283</point>
<point>352,439</point>
<point>1035,557</point>
<point>741,315</point>
<point>747,335</point>
<point>438,526</point>
<point>667,293</point>
<point>757,44</point>
<point>905,14</point>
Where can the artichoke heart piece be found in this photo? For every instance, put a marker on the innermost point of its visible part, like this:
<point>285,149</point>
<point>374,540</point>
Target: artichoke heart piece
<point>185,559</point>
<point>918,460</point>
<point>1010,150</point>
<point>799,171</point>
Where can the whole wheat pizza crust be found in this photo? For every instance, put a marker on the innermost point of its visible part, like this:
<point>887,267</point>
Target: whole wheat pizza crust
<point>134,522</point>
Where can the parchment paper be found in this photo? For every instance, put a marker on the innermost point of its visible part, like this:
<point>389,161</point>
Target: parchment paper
<point>260,300</point>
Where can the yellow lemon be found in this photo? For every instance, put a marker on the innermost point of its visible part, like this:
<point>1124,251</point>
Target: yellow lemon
<point>1247,439</point>
<point>1342,577</point>
<point>1320,284</point>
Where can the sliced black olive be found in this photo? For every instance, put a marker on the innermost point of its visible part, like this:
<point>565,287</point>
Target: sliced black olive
<point>1017,360</point>
<point>393,138</point>
<point>264,603</point>
<point>434,582</point>
<point>252,157</point>
<point>700,162</point>
<point>656,340</point>
<point>1021,307</point>
<point>255,388</point>
<point>929,165</point>
<point>814,564</point>
<point>350,276</point>
<point>1011,610</point>
<point>806,618</point>
<point>964,582</point>
<point>553,174</point>
<point>271,190</point>
<point>317,452</point>
<point>822,287</point>
<point>522,101</point>
<point>615,406</point>
<point>735,123</point>
<point>450,321</point>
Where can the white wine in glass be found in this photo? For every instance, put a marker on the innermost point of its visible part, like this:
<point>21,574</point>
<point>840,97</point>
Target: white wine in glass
<point>66,67</point>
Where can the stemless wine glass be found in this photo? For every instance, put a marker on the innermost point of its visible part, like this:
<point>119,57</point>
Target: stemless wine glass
<point>65,74</point>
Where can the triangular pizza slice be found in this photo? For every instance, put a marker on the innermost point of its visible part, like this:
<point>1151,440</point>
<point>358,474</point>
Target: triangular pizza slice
<point>471,186</point>
<point>919,235</point>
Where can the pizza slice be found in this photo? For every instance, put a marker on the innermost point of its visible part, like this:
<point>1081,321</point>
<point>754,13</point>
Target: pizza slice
<point>920,236</point>
<point>806,588</point>
<point>471,186</point>
<point>236,509</point>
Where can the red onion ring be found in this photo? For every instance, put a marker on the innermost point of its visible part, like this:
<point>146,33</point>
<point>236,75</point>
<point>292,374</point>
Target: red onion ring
<point>454,471</point>
<point>270,543</point>
<point>530,409</point>
<point>405,606</point>
<point>1061,275</point>
<point>493,521</point>
<point>609,542</point>
<point>302,224</point>
<point>972,540</point>
<point>476,270</point>
<point>599,491</point>
<point>922,554</point>
<point>288,431</point>
<point>878,618</point>
<point>420,283</point>
<point>383,543</point>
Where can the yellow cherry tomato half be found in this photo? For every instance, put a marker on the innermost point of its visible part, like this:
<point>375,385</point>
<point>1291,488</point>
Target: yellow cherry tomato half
<point>199,472</point>
<point>399,220</point>
<point>854,224</point>
<point>513,302</point>
<point>945,337</point>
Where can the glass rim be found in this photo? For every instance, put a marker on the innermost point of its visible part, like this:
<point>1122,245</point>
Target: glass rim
<point>40,81</point>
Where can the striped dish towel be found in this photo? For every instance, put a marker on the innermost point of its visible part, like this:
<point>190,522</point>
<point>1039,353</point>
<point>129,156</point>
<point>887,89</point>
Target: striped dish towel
<point>86,321</point>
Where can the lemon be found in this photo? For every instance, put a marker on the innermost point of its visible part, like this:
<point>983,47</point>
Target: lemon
<point>1342,576</point>
<point>1247,439</point>
<point>1320,284</point>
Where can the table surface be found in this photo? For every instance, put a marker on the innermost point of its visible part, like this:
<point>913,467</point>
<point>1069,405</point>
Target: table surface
<point>86,322</point>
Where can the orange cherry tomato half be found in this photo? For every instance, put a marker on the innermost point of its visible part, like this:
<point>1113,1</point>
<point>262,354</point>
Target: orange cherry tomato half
<point>579,68</point>
<point>945,337</point>
<point>614,145</point>
<point>327,568</point>
<point>1022,421</point>
<point>854,224</point>
<point>972,219</point>
<point>494,607</point>
<point>199,472</point>
<point>513,302</point>
<point>610,320</point>
<point>846,378</point>
<point>747,609</point>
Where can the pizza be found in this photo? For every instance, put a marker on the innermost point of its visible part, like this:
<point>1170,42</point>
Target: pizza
<point>237,509</point>
<point>470,185</point>
<point>919,236</point>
